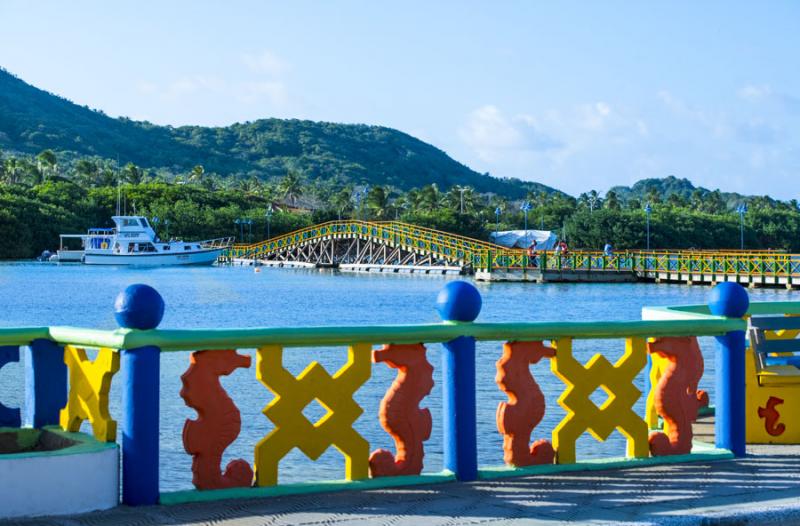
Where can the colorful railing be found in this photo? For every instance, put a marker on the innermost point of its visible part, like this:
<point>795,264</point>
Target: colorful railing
<point>643,262</point>
<point>64,387</point>
<point>440,244</point>
<point>484,256</point>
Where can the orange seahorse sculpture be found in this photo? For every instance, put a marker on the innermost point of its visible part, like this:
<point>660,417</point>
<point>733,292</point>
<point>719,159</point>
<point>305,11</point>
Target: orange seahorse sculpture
<point>218,421</point>
<point>517,418</point>
<point>771,416</point>
<point>677,398</point>
<point>400,413</point>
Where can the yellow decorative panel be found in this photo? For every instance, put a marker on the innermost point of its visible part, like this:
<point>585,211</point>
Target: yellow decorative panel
<point>293,429</point>
<point>89,385</point>
<point>773,398</point>
<point>615,413</point>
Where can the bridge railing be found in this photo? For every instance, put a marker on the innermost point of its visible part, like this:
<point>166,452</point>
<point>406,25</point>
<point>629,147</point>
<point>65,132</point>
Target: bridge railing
<point>64,387</point>
<point>643,262</point>
<point>485,256</point>
<point>439,244</point>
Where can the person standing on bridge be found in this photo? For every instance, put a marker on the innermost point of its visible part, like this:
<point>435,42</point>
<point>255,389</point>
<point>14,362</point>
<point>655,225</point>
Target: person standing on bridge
<point>608,250</point>
<point>532,253</point>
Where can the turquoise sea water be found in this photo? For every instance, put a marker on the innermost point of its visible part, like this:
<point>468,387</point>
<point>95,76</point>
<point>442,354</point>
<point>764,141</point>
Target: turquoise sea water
<point>45,294</point>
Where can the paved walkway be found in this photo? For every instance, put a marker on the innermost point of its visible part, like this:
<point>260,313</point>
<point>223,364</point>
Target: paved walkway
<point>762,488</point>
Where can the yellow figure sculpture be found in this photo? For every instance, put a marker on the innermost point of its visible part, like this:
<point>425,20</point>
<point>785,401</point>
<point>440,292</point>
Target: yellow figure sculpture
<point>615,413</point>
<point>293,429</point>
<point>89,385</point>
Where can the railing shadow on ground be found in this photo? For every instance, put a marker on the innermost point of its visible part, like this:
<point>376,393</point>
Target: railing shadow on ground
<point>646,495</point>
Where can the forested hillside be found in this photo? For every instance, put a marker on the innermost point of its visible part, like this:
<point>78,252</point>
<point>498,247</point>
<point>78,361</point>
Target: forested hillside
<point>32,120</point>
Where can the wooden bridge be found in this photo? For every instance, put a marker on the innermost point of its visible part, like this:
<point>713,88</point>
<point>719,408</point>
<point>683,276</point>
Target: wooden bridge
<point>394,247</point>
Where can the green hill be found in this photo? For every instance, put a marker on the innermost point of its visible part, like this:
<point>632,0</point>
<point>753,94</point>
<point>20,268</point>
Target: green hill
<point>665,187</point>
<point>32,120</point>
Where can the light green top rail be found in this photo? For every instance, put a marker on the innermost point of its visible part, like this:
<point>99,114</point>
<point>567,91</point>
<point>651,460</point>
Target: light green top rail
<point>701,312</point>
<point>194,339</point>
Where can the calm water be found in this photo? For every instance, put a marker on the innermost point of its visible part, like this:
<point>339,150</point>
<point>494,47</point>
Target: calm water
<point>44,294</point>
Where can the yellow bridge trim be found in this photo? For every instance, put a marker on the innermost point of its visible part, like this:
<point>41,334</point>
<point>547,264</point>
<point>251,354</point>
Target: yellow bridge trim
<point>480,255</point>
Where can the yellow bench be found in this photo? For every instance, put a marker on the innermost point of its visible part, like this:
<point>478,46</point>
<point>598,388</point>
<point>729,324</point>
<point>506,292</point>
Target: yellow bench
<point>772,380</point>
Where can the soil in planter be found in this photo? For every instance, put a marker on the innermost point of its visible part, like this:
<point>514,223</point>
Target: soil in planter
<point>32,440</point>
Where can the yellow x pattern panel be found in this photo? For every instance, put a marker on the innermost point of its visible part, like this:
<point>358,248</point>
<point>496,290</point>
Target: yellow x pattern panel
<point>615,413</point>
<point>293,429</point>
<point>89,385</point>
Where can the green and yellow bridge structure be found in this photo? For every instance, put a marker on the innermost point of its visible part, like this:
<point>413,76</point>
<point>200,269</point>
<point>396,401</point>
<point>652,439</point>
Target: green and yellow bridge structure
<point>396,247</point>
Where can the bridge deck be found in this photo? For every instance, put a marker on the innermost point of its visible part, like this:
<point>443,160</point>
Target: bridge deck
<point>761,489</point>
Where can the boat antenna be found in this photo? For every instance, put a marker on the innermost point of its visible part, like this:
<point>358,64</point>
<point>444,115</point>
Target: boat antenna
<point>118,188</point>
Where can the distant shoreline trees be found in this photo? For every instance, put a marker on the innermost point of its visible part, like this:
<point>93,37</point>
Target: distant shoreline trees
<point>41,197</point>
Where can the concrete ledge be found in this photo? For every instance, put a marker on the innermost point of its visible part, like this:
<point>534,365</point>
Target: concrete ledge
<point>80,478</point>
<point>701,452</point>
<point>180,497</point>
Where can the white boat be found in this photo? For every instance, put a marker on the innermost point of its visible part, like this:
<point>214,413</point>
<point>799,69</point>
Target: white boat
<point>134,243</point>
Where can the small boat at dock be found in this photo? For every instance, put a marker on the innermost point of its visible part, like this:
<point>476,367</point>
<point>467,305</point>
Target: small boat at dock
<point>134,242</point>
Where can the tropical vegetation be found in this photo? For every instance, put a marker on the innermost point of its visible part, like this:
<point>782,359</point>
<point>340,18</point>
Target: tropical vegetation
<point>44,195</point>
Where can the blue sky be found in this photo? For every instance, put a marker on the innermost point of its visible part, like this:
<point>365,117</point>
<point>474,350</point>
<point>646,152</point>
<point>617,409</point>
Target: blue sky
<point>577,95</point>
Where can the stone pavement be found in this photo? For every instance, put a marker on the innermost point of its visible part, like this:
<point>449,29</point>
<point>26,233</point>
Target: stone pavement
<point>762,488</point>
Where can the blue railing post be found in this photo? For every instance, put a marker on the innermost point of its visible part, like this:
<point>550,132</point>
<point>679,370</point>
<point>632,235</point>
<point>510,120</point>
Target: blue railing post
<point>459,301</point>
<point>140,307</point>
<point>45,383</point>
<point>731,300</point>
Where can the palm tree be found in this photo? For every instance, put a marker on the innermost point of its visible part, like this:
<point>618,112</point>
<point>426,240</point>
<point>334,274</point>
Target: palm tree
<point>430,198</point>
<point>46,164</point>
<point>612,201</point>
<point>378,202</point>
<point>341,201</point>
<point>11,170</point>
<point>291,186</point>
<point>132,174</point>
<point>196,175</point>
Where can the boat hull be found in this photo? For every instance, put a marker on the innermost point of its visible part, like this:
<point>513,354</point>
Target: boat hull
<point>200,257</point>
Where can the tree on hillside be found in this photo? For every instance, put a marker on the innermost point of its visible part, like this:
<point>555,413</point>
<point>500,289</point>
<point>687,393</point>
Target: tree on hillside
<point>131,174</point>
<point>196,175</point>
<point>342,201</point>
<point>612,201</point>
<point>429,198</point>
<point>291,186</point>
<point>11,171</point>
<point>378,202</point>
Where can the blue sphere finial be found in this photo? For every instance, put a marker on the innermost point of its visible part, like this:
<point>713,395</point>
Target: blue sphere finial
<point>728,299</point>
<point>459,301</point>
<point>139,307</point>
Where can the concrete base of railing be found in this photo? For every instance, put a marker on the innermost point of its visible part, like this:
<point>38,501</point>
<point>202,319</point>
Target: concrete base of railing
<point>246,262</point>
<point>400,269</point>
<point>81,477</point>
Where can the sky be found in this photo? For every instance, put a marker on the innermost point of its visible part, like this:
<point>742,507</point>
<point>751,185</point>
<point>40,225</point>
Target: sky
<point>576,95</point>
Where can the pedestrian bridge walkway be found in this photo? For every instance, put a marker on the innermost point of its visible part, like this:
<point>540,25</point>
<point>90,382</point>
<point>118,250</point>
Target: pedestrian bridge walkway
<point>395,247</point>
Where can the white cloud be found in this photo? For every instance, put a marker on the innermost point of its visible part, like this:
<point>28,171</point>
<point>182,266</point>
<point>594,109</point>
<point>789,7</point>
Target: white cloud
<point>490,133</point>
<point>594,116</point>
<point>274,92</point>
<point>754,93</point>
<point>266,62</point>
<point>146,88</point>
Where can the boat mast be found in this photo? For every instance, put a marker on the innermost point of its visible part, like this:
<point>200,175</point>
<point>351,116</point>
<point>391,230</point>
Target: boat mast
<point>118,187</point>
